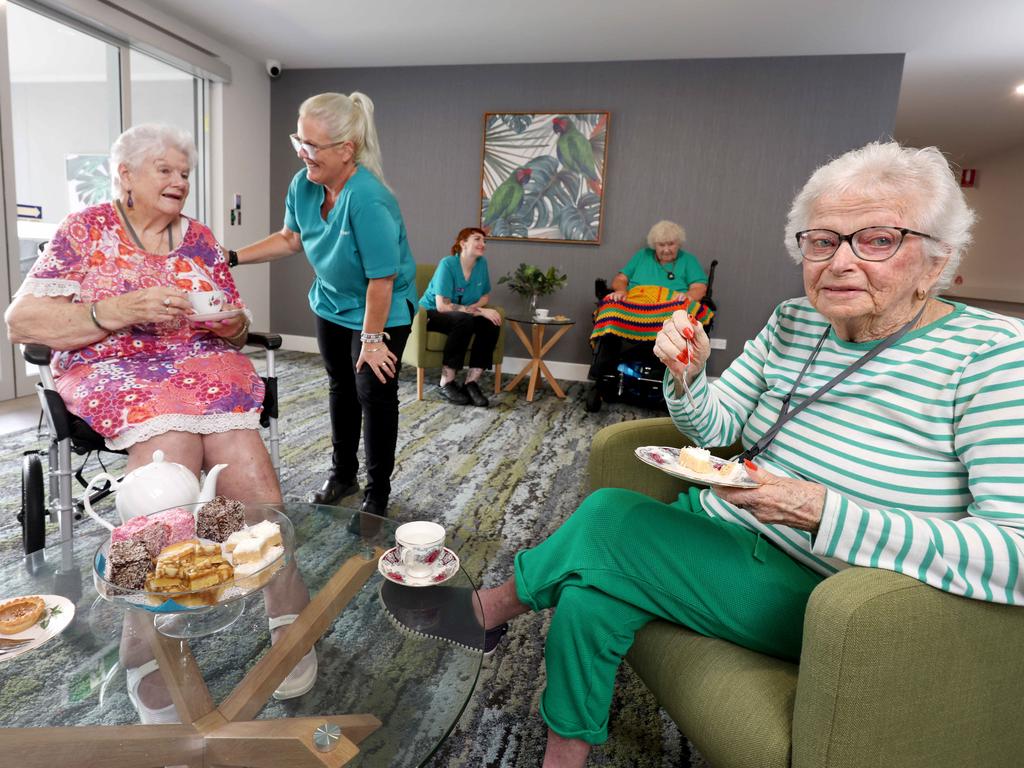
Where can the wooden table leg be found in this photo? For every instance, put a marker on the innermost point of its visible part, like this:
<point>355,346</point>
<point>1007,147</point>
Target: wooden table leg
<point>112,746</point>
<point>542,350</point>
<point>286,743</point>
<point>180,672</point>
<point>528,368</point>
<point>252,693</point>
<point>535,346</point>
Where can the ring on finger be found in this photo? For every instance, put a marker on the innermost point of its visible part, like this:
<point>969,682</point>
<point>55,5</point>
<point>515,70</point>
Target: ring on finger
<point>167,301</point>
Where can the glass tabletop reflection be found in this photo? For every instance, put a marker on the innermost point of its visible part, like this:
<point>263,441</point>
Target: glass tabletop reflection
<point>371,661</point>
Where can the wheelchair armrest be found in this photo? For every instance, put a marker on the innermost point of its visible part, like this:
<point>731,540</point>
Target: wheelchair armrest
<point>265,340</point>
<point>37,354</point>
<point>601,288</point>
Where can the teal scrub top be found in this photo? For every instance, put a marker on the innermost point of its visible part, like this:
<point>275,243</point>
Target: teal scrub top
<point>362,239</point>
<point>448,281</point>
<point>644,269</point>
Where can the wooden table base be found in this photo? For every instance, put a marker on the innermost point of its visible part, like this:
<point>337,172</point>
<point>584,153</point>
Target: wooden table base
<point>536,368</point>
<point>222,736</point>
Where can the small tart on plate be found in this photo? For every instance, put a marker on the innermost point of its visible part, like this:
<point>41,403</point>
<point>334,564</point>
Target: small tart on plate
<point>19,614</point>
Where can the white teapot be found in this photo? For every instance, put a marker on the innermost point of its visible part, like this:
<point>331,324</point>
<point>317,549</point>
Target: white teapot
<point>152,487</point>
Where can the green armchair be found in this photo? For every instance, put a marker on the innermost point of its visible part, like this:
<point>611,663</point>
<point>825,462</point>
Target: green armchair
<point>424,348</point>
<point>892,672</point>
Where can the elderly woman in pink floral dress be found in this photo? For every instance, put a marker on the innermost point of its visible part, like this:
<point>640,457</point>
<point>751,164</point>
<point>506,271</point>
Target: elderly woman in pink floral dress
<point>109,294</point>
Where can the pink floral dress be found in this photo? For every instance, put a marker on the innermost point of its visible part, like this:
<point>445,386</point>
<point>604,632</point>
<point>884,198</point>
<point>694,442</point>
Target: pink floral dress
<point>153,378</point>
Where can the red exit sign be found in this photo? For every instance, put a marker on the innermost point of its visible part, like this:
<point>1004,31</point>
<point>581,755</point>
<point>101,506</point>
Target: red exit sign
<point>968,176</point>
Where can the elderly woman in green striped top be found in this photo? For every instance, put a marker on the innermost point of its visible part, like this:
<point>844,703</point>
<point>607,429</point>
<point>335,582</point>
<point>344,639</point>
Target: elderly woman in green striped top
<point>886,426</point>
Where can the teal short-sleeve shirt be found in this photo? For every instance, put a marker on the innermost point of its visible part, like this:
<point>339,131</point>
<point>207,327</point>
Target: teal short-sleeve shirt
<point>644,269</point>
<point>362,239</point>
<point>450,282</point>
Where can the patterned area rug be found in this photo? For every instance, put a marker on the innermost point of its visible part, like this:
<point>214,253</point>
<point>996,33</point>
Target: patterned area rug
<point>500,479</point>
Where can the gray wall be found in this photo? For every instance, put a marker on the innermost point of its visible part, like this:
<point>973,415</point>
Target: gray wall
<point>719,145</point>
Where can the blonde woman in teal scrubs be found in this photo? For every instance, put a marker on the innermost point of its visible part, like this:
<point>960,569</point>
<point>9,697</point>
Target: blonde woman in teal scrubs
<point>342,214</point>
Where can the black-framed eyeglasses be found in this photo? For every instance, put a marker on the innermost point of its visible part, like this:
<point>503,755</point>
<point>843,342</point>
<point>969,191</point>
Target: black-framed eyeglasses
<point>869,243</point>
<point>310,149</point>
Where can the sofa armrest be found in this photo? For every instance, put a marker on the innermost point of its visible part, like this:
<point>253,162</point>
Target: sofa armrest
<point>416,344</point>
<point>894,672</point>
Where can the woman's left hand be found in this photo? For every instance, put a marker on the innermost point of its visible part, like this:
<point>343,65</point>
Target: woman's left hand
<point>781,500</point>
<point>228,328</point>
<point>491,314</point>
<point>382,361</point>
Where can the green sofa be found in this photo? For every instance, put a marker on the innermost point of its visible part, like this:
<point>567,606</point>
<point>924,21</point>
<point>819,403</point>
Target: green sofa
<point>892,672</point>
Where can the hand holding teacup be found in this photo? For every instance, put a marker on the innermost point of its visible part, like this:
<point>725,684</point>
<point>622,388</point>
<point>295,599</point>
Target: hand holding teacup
<point>682,346</point>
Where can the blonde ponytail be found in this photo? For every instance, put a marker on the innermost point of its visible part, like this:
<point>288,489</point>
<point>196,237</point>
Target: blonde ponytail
<point>349,118</point>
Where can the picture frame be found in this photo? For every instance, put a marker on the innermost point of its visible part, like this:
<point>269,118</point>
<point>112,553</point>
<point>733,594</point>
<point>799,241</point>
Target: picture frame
<point>543,176</point>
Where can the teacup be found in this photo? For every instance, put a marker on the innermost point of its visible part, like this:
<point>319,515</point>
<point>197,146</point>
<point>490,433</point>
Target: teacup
<point>541,314</point>
<point>206,302</point>
<point>420,545</point>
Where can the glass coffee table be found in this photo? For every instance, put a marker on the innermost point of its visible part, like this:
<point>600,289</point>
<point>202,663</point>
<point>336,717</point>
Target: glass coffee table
<point>388,692</point>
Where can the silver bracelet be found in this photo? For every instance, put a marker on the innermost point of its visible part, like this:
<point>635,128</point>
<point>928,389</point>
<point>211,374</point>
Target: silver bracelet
<point>95,320</point>
<point>373,338</point>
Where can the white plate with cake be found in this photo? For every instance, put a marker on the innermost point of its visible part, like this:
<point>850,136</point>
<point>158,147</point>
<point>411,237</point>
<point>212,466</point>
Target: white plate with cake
<point>696,465</point>
<point>193,558</point>
<point>35,618</point>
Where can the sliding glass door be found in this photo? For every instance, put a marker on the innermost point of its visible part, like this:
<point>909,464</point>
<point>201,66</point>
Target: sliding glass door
<point>68,93</point>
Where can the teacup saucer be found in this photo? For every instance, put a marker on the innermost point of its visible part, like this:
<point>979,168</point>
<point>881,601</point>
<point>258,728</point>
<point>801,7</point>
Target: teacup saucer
<point>392,569</point>
<point>207,316</point>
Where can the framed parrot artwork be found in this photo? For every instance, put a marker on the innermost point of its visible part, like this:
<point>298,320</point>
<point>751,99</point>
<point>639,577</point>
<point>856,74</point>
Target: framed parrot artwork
<point>543,176</point>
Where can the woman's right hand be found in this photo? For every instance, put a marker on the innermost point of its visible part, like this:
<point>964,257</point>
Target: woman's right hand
<point>615,296</point>
<point>683,346</point>
<point>159,304</point>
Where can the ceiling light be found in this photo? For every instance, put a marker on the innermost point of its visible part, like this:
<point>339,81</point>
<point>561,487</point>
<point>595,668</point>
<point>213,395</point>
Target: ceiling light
<point>1019,90</point>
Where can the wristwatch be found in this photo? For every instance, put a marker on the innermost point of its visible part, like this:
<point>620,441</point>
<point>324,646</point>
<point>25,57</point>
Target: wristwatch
<point>232,258</point>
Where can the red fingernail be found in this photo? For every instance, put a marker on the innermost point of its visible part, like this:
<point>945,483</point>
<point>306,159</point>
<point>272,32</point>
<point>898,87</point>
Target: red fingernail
<point>750,465</point>
<point>683,357</point>
<point>688,333</point>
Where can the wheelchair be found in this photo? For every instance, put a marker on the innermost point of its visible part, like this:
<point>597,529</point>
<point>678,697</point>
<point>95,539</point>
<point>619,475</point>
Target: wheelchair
<point>638,375</point>
<point>68,434</point>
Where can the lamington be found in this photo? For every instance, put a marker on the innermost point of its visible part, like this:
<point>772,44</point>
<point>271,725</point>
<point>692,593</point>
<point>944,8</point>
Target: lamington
<point>129,563</point>
<point>181,525</point>
<point>219,518</point>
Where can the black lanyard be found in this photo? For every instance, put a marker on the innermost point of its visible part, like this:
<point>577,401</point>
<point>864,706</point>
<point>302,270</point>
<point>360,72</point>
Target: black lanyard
<point>785,414</point>
<point>135,237</point>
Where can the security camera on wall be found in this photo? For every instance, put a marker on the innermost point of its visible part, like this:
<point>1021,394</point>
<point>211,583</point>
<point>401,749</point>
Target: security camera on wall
<point>273,68</point>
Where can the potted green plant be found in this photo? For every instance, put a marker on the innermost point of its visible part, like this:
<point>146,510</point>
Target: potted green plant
<point>530,282</point>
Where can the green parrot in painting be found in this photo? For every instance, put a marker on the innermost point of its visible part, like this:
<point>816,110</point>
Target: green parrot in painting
<point>507,197</point>
<point>574,149</point>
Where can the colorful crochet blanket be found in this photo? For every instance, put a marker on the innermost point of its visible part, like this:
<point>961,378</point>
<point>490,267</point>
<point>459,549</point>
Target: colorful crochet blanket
<point>640,315</point>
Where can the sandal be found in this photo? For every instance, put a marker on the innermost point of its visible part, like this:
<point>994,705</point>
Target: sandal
<point>148,716</point>
<point>303,677</point>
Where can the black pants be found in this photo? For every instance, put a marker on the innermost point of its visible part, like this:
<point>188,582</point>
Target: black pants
<point>461,328</point>
<point>359,402</point>
<point>607,352</point>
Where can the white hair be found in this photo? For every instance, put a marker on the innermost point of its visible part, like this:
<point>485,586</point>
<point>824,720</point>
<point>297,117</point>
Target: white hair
<point>666,232</point>
<point>144,142</point>
<point>920,181</point>
<point>348,118</point>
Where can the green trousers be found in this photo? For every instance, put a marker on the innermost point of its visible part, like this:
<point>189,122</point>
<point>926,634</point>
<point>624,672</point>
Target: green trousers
<point>624,559</point>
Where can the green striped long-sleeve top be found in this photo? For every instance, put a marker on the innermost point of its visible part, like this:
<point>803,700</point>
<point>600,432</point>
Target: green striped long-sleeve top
<point>921,450</point>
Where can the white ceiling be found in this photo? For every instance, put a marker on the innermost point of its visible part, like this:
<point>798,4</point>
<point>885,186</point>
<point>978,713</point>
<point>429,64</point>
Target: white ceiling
<point>963,59</point>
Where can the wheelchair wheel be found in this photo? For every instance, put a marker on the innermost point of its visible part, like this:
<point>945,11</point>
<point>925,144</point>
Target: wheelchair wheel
<point>33,505</point>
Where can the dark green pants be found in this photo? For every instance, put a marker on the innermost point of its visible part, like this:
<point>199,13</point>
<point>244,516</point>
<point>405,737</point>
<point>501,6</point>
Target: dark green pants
<point>624,559</point>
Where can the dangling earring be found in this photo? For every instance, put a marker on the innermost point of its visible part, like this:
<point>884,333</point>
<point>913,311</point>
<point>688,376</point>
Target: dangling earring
<point>131,202</point>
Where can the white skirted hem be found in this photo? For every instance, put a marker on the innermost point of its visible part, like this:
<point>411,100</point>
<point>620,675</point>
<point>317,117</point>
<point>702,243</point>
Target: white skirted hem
<point>177,422</point>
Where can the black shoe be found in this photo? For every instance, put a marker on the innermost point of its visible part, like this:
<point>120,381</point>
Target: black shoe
<point>475,395</point>
<point>454,393</point>
<point>593,401</point>
<point>367,525</point>
<point>334,488</point>
<point>441,613</point>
